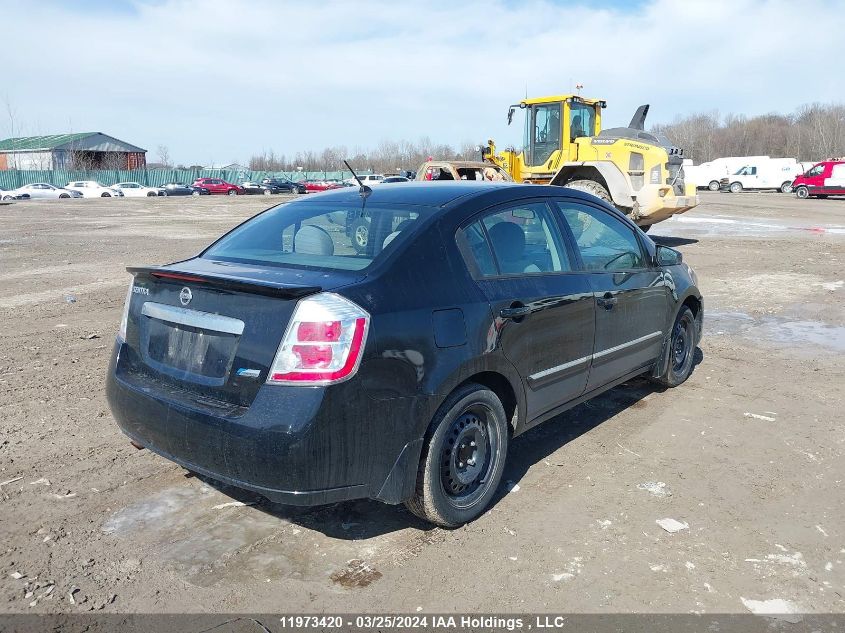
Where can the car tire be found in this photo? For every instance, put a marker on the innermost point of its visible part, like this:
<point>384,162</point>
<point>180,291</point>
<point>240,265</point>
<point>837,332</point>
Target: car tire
<point>64,195</point>
<point>151,194</point>
<point>681,350</point>
<point>196,194</point>
<point>450,489</point>
<point>591,187</point>
<point>232,192</point>
<point>105,195</point>
<point>267,192</point>
<point>713,185</point>
<point>360,232</point>
<point>8,198</point>
<point>802,192</point>
<point>736,187</point>
<point>786,187</point>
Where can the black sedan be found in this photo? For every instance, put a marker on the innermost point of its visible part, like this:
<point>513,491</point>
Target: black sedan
<point>180,189</point>
<point>284,186</point>
<point>284,361</point>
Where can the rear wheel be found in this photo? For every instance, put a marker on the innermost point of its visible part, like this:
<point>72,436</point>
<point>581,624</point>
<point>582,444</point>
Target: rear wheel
<point>681,350</point>
<point>64,195</point>
<point>786,187</point>
<point>195,193</point>
<point>713,185</point>
<point>802,192</point>
<point>463,458</point>
<point>105,195</point>
<point>736,187</point>
<point>12,198</point>
<point>151,194</point>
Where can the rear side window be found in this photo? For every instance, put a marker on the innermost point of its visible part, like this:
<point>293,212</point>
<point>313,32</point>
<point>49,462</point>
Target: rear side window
<point>519,240</point>
<point>605,243</point>
<point>318,236</point>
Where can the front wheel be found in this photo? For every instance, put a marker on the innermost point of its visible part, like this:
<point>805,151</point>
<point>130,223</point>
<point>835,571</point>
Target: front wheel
<point>105,195</point>
<point>463,458</point>
<point>786,187</point>
<point>802,192</point>
<point>681,350</point>
<point>736,187</point>
<point>151,194</point>
<point>591,187</point>
<point>196,194</point>
<point>713,185</point>
<point>232,192</point>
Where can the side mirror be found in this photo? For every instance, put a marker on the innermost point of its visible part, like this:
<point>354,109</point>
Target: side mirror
<point>668,256</point>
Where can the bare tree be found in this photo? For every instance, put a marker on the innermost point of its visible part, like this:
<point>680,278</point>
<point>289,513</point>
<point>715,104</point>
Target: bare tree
<point>163,155</point>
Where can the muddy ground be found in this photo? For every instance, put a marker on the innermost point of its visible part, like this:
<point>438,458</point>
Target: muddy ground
<point>749,452</point>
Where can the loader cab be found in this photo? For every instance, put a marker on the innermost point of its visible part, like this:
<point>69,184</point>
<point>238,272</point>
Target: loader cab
<point>553,123</point>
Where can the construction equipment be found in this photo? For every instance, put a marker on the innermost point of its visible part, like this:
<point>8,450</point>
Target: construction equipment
<point>639,172</point>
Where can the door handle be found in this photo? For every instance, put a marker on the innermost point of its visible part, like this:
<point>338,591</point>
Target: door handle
<point>516,312</point>
<point>607,301</point>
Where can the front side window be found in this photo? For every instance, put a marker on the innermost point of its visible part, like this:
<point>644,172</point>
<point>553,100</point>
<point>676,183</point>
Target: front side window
<point>818,170</point>
<point>516,241</point>
<point>605,243</point>
<point>581,120</point>
<point>338,237</point>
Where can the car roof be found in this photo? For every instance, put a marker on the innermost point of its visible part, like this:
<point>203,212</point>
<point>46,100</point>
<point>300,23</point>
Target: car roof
<point>442,194</point>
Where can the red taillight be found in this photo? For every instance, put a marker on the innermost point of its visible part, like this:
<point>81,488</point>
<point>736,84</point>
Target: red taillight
<point>323,343</point>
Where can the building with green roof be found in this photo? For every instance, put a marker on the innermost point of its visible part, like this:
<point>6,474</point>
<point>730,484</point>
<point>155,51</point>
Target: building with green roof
<point>82,150</point>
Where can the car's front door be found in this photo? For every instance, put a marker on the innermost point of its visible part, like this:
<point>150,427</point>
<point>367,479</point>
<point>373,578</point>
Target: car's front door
<point>631,294</point>
<point>542,307</point>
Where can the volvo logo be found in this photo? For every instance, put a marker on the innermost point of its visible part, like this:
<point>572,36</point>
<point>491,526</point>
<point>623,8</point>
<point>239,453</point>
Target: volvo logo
<point>185,296</point>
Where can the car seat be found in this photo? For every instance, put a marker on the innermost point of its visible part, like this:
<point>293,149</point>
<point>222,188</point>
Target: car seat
<point>313,240</point>
<point>508,241</point>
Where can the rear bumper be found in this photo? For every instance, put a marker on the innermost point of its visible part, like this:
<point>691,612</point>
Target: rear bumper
<point>293,445</point>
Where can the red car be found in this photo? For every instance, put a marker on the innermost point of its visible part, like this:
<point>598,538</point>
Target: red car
<point>822,180</point>
<point>312,186</point>
<point>218,185</point>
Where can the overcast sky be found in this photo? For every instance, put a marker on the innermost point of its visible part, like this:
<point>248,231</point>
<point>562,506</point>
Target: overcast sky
<point>219,80</point>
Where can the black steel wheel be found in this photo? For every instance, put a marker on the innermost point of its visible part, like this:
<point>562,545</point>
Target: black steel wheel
<point>681,350</point>
<point>463,458</point>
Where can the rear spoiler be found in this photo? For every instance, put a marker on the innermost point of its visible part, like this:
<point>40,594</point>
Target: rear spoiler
<point>226,283</point>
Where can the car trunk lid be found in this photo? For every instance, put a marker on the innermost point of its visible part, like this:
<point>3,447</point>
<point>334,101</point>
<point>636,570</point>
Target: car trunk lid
<point>207,331</point>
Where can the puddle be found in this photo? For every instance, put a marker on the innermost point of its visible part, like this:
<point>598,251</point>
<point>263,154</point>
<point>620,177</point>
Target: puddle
<point>779,330</point>
<point>713,225</point>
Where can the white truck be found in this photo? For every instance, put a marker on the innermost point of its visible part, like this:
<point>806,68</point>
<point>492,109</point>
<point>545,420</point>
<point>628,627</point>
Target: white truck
<point>708,175</point>
<point>770,173</point>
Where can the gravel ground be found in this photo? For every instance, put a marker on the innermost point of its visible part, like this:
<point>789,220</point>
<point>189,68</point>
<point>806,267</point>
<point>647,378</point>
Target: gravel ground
<point>748,453</point>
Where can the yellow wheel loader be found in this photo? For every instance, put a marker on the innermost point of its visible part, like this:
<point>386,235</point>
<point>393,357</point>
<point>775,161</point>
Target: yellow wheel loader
<point>639,172</point>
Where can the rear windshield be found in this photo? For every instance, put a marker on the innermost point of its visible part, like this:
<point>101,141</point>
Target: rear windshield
<point>318,236</point>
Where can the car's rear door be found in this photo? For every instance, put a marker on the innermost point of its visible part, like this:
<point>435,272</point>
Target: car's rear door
<point>543,308</point>
<point>631,295</point>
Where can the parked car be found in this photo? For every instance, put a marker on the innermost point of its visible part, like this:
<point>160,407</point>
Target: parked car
<point>282,361</point>
<point>285,186</point>
<point>770,173</point>
<point>823,179</point>
<point>219,186</point>
<point>137,190</point>
<point>93,189</point>
<point>461,170</point>
<point>316,186</point>
<point>8,195</point>
<point>180,189</point>
<point>41,190</point>
<point>394,179</point>
<point>366,179</point>
<point>256,189</point>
